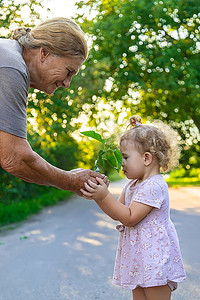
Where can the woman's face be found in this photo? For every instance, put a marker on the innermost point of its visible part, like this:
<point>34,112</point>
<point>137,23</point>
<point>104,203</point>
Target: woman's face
<point>54,71</point>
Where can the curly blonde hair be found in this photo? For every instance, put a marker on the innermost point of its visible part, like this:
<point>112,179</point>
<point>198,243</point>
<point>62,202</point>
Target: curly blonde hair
<point>157,138</point>
<point>61,36</point>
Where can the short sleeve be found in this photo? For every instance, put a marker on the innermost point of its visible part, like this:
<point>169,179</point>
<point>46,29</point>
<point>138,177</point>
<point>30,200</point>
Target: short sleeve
<point>128,184</point>
<point>150,193</point>
<point>13,101</point>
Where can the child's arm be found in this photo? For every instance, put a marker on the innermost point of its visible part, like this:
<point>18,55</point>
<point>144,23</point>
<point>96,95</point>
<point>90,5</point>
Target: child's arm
<point>128,216</point>
<point>90,186</point>
<point>106,209</point>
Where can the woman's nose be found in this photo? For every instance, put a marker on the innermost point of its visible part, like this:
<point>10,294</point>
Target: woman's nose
<point>66,82</point>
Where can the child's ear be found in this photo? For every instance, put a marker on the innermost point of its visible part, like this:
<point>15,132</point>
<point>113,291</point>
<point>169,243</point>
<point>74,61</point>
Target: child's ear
<point>147,158</point>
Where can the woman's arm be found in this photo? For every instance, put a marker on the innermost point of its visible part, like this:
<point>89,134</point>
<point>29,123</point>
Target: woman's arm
<point>128,216</point>
<point>18,159</point>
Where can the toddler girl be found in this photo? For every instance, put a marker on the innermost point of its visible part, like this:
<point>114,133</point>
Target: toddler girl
<point>148,259</point>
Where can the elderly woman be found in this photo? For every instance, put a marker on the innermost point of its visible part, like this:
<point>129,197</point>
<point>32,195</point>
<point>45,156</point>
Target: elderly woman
<point>45,57</point>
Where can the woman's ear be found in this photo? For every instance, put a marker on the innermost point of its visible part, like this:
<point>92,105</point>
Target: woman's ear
<point>44,53</point>
<point>147,158</point>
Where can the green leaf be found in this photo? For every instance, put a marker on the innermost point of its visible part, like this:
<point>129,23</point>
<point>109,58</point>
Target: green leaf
<point>112,160</point>
<point>118,156</point>
<point>23,237</point>
<point>107,152</point>
<point>109,156</point>
<point>94,135</point>
<point>100,154</point>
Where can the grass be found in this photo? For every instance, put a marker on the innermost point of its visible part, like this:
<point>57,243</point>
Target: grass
<point>19,211</point>
<point>185,181</point>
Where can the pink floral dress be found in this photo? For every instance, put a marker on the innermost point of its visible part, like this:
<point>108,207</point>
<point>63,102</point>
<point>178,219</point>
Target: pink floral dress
<point>148,254</point>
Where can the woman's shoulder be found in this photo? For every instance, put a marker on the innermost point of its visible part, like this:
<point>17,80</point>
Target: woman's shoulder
<point>11,55</point>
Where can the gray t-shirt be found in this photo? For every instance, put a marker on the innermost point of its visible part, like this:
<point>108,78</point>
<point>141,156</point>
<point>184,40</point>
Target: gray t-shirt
<point>14,86</point>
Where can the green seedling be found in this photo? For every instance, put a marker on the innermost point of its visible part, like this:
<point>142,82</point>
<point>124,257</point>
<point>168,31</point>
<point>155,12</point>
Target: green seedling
<point>23,237</point>
<point>108,155</point>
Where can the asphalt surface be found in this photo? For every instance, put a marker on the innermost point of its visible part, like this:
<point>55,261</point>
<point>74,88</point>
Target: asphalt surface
<point>68,251</point>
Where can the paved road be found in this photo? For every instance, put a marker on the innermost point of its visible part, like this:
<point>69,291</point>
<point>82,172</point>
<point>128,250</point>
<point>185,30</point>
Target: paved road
<point>70,249</point>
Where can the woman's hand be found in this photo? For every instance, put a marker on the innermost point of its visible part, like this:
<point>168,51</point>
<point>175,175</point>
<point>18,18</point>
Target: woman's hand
<point>80,176</point>
<point>95,191</point>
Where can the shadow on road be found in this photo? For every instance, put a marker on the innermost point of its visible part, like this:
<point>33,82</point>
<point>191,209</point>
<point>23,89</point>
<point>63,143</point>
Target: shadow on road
<point>70,250</point>
<point>187,224</point>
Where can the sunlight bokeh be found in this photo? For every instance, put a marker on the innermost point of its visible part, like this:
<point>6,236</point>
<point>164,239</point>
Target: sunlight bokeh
<point>59,8</point>
<point>52,8</point>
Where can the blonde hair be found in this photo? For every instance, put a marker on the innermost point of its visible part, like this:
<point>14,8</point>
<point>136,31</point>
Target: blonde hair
<point>61,36</point>
<point>158,138</point>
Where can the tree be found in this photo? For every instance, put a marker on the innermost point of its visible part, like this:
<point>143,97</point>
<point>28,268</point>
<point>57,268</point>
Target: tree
<point>11,14</point>
<point>145,56</point>
<point>50,128</point>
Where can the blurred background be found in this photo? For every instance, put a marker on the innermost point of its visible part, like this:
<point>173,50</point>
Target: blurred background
<point>144,59</point>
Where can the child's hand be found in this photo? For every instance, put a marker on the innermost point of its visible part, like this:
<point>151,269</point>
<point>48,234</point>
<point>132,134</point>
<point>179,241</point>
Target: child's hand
<point>95,191</point>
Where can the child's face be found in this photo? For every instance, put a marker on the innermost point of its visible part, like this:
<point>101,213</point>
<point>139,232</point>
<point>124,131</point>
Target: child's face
<point>133,161</point>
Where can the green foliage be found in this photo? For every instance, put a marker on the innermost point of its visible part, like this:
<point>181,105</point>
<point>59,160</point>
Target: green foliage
<point>93,135</point>
<point>19,211</point>
<point>183,172</point>
<point>107,157</point>
<point>11,14</point>
<point>147,63</point>
<point>184,177</point>
<point>52,131</point>
<point>114,176</point>
<point>187,181</point>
